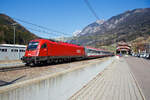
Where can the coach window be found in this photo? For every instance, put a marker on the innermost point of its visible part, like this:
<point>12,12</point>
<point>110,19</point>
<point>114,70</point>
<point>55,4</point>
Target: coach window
<point>44,45</point>
<point>16,50</point>
<point>12,50</point>
<point>22,50</point>
<point>5,50</point>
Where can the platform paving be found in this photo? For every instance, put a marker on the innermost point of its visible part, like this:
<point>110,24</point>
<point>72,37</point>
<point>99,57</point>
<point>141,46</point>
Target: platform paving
<point>141,70</point>
<point>115,83</point>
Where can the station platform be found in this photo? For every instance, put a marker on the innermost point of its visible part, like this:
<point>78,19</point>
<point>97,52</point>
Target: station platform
<point>116,82</point>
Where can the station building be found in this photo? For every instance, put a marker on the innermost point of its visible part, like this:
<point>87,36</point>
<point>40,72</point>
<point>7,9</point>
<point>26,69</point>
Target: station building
<point>123,48</point>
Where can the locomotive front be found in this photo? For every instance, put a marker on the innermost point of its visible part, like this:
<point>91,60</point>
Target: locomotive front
<point>32,53</point>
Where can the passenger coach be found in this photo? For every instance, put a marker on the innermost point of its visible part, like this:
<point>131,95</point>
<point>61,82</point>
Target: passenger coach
<point>11,52</point>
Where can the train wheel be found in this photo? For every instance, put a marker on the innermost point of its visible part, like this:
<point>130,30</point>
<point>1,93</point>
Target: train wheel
<point>56,60</point>
<point>27,64</point>
<point>66,59</point>
<point>32,64</point>
<point>60,60</point>
<point>49,61</point>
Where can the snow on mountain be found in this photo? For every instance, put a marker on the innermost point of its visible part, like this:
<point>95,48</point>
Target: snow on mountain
<point>76,33</point>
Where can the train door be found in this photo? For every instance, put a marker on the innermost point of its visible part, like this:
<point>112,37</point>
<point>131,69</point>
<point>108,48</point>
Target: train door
<point>44,51</point>
<point>19,52</point>
<point>86,51</point>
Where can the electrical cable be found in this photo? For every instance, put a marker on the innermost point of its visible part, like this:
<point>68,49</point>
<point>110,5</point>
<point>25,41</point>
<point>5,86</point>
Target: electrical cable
<point>91,9</point>
<point>38,30</point>
<point>59,32</point>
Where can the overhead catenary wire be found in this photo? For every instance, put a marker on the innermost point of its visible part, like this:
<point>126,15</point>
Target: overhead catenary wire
<point>41,31</point>
<point>95,15</point>
<point>45,32</point>
<point>58,32</point>
<point>91,9</point>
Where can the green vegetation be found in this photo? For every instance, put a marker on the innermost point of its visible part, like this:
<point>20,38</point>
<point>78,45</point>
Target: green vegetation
<point>23,36</point>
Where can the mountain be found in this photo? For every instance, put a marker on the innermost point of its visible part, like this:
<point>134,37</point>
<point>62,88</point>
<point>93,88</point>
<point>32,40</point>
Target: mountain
<point>91,28</point>
<point>127,27</point>
<point>23,36</point>
<point>77,33</point>
<point>63,39</point>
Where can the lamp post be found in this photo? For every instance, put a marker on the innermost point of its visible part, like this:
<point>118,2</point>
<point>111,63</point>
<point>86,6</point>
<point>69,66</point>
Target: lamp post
<point>14,26</point>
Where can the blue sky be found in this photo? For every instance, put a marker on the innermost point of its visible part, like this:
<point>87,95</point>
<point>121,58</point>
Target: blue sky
<point>65,15</point>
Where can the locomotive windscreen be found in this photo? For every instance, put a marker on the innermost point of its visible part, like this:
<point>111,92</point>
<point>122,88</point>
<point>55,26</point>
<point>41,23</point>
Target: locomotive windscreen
<point>32,45</point>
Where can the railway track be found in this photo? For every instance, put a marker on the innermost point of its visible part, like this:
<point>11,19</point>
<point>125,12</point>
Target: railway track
<point>21,66</point>
<point>12,68</point>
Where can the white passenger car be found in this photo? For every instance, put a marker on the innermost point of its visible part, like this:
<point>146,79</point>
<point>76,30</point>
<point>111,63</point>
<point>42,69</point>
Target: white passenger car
<point>11,52</point>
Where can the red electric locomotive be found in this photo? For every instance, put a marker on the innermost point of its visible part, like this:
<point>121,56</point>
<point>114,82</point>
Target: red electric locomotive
<point>46,51</point>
